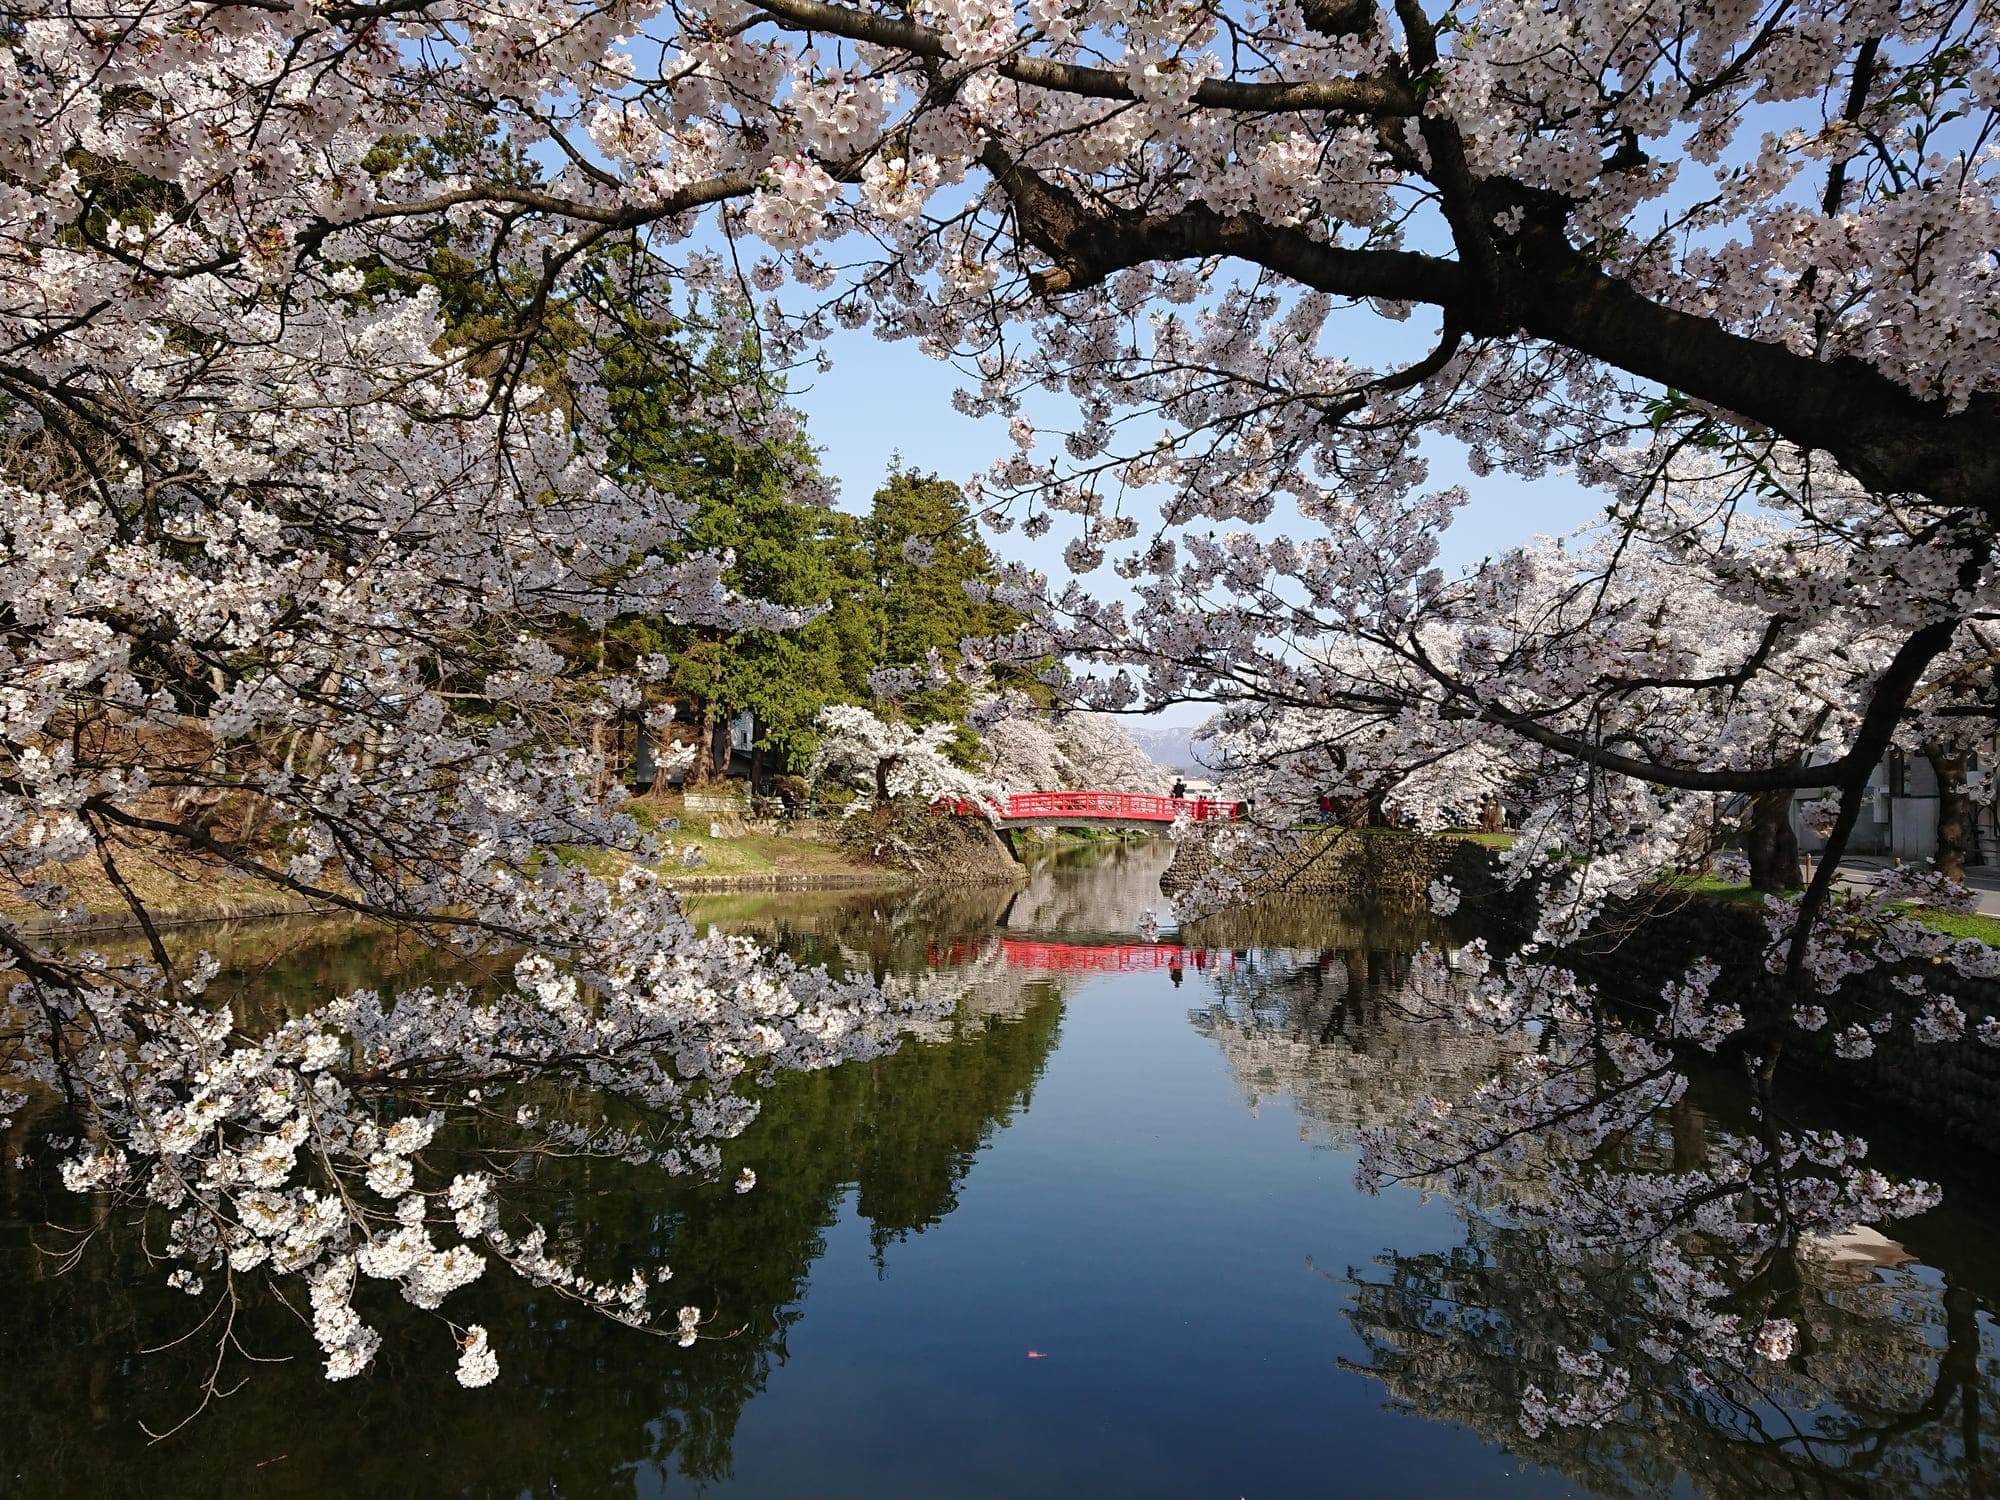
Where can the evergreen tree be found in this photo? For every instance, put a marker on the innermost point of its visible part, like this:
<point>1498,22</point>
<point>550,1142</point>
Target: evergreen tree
<point>742,499</point>
<point>924,549</point>
<point>855,619</point>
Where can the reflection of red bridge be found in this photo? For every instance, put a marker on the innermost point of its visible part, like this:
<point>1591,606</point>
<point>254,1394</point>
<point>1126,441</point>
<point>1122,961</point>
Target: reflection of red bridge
<point>1093,807</point>
<point>1096,958</point>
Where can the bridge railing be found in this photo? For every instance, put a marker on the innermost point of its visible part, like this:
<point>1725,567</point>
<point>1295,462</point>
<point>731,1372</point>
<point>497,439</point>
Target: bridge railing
<point>1134,807</point>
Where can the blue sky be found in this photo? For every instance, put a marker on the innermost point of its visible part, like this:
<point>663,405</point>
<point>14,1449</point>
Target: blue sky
<point>886,398</point>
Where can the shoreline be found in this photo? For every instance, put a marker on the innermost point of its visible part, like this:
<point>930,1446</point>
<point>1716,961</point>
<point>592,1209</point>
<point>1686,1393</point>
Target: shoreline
<point>199,915</point>
<point>179,892</point>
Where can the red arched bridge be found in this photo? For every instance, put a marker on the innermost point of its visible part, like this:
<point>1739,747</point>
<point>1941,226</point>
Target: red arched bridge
<point>1092,958</point>
<point>1026,809</point>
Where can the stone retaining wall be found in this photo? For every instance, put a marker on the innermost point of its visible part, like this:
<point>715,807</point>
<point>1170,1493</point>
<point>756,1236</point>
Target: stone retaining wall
<point>1951,1088</point>
<point>1381,866</point>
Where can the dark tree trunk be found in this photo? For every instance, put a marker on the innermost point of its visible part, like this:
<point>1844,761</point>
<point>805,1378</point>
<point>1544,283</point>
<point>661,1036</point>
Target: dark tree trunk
<point>1690,1136</point>
<point>1770,842</point>
<point>1954,815</point>
<point>704,745</point>
<point>882,769</point>
<point>724,753</point>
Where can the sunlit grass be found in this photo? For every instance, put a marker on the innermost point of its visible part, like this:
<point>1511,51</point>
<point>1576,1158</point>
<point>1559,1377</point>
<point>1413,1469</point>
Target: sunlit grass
<point>1975,925</point>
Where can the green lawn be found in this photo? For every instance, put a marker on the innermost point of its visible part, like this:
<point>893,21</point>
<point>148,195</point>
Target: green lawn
<point>1712,889</point>
<point>1974,925</point>
<point>742,854</point>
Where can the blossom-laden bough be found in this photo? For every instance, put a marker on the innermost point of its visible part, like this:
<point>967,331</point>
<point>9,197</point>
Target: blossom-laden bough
<point>289,597</point>
<point>1733,266</point>
<point>306,637</point>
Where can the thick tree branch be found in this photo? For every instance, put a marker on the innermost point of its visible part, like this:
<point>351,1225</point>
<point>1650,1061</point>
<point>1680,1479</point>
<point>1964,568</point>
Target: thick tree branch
<point>1370,96</point>
<point>1888,438</point>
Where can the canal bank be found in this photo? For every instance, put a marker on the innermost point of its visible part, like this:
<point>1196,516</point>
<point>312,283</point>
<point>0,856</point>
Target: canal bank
<point>1109,1209</point>
<point>178,888</point>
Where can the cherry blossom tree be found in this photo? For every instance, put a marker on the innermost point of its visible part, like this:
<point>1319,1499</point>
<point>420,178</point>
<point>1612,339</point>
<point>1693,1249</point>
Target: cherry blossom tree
<point>1028,749</point>
<point>1761,233</point>
<point>887,758</point>
<point>287,626</point>
<point>1102,756</point>
<point>270,533</point>
<point>1019,743</point>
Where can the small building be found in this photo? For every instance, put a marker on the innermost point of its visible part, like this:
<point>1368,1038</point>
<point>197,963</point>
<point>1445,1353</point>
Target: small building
<point>1899,818</point>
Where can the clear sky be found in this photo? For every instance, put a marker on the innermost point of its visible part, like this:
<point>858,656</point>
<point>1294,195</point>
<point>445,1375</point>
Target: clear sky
<point>886,398</point>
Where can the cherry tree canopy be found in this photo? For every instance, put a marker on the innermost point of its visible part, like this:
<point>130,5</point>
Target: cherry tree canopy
<point>275,529</point>
<point>1029,750</point>
<point>888,758</point>
<point>1609,239</point>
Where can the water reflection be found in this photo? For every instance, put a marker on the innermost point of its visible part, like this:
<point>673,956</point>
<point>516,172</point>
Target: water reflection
<point>1068,1163</point>
<point>1898,1366</point>
<point>1895,1379</point>
<point>1329,1030</point>
<point>583,1407</point>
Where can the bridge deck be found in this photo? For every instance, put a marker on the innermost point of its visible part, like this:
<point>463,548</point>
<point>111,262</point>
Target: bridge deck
<point>1028,808</point>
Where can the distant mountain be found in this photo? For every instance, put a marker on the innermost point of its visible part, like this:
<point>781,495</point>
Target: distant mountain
<point>1166,745</point>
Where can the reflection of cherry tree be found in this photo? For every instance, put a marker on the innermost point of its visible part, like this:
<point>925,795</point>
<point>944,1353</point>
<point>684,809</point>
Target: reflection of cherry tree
<point>1124,886</point>
<point>1885,1395</point>
<point>1326,1030</point>
<point>1708,1246</point>
<point>1687,1252</point>
<point>935,949</point>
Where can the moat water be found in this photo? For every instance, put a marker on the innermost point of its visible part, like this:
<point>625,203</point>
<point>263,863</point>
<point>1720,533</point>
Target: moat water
<point>1097,1236</point>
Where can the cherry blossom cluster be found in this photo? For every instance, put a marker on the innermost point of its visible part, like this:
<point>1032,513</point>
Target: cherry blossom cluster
<point>1030,750</point>
<point>889,758</point>
<point>370,1139</point>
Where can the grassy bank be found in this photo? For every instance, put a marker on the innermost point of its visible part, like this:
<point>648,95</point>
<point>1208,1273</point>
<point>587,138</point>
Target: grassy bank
<point>1975,925</point>
<point>178,888</point>
<point>802,852</point>
<point>173,888</point>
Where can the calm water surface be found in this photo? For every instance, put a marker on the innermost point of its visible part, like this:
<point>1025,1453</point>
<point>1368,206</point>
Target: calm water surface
<point>1097,1237</point>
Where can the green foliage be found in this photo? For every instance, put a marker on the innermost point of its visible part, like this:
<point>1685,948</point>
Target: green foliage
<point>741,501</point>
<point>668,375</point>
<point>882,607</point>
<point>923,604</point>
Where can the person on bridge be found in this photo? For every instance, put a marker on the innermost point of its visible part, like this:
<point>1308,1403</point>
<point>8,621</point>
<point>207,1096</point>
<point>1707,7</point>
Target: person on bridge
<point>1180,788</point>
